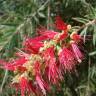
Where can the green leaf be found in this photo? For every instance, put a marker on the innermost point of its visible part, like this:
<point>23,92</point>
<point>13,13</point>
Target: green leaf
<point>94,35</point>
<point>84,33</point>
<point>41,15</point>
<point>44,6</point>
<point>92,53</point>
<point>81,20</point>
<point>4,79</point>
<point>36,19</point>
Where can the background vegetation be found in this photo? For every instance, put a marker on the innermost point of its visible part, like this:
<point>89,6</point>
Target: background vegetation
<point>20,18</point>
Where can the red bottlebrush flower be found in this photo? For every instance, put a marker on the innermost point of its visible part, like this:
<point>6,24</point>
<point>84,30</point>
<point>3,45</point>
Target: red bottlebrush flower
<point>21,68</point>
<point>16,86</point>
<point>78,54</point>
<point>49,34</point>
<point>42,84</point>
<point>66,59</point>
<point>23,85</point>
<point>22,54</point>
<point>50,60</point>
<point>33,46</point>
<point>32,87</point>
<point>52,72</point>
<point>75,36</point>
<point>12,66</point>
<point>37,67</point>
<point>36,39</point>
<point>26,86</point>
<point>3,62</point>
<point>60,25</point>
<point>63,36</point>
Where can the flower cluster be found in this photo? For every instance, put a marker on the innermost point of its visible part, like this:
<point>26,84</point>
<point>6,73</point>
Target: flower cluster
<point>45,59</point>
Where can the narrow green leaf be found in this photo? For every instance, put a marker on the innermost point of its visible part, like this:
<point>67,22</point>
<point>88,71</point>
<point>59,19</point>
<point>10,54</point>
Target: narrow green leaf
<point>94,35</point>
<point>4,79</point>
<point>84,33</point>
<point>81,20</point>
<point>41,15</point>
<point>92,53</point>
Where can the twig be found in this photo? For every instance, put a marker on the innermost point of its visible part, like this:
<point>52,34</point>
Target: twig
<point>88,84</point>
<point>48,20</point>
<point>87,24</point>
<point>4,80</point>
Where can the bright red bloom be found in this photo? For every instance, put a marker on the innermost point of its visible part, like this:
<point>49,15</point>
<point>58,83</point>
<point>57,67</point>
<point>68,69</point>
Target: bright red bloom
<point>26,86</point>
<point>36,39</point>
<point>21,69</point>
<point>33,46</point>
<point>41,83</point>
<point>66,59</point>
<point>21,54</point>
<point>15,64</point>
<point>49,34</point>
<point>63,36</point>
<point>78,54</point>
<point>41,60</point>
<point>52,70</point>
<point>3,64</point>
<point>75,36</point>
<point>60,25</point>
<point>23,85</point>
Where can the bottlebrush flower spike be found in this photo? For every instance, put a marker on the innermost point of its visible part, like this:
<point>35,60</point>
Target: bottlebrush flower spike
<point>42,84</point>
<point>21,54</point>
<point>3,62</point>
<point>26,86</point>
<point>36,39</point>
<point>66,59</point>
<point>78,54</point>
<point>74,36</point>
<point>60,25</point>
<point>51,65</point>
<point>32,45</point>
<point>62,36</point>
<point>47,56</point>
<point>12,66</point>
<point>23,85</point>
<point>49,34</point>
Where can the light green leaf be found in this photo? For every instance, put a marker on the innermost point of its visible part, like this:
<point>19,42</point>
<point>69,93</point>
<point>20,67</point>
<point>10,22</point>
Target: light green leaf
<point>41,15</point>
<point>84,33</point>
<point>81,20</point>
<point>92,53</point>
<point>94,35</point>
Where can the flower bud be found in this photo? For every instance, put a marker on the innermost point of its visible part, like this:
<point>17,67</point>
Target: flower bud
<point>68,27</point>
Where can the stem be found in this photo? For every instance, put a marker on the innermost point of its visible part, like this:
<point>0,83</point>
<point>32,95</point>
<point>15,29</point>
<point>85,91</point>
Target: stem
<point>4,80</point>
<point>87,24</point>
<point>48,14</point>
<point>88,84</point>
